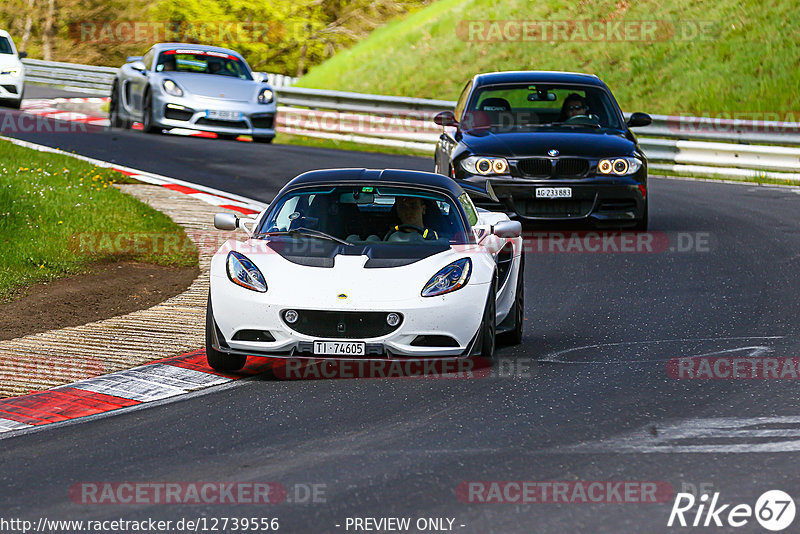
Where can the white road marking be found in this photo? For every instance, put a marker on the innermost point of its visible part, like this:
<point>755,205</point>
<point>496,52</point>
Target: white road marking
<point>7,425</point>
<point>755,350</point>
<point>150,382</point>
<point>709,436</point>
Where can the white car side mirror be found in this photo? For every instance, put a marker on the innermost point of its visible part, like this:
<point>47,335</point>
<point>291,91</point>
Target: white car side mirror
<point>507,229</point>
<point>226,221</point>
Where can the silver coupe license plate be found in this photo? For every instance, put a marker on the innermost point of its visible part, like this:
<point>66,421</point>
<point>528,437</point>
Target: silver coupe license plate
<point>553,192</point>
<point>340,348</point>
<point>223,115</point>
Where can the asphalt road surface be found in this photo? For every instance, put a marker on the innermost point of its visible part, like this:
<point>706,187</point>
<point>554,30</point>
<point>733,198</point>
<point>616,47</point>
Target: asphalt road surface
<point>586,397</point>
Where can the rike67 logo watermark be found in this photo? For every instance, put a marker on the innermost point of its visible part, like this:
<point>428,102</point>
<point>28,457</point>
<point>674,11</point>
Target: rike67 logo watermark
<point>774,510</point>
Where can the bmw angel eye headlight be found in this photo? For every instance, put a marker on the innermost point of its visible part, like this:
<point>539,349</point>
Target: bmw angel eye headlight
<point>172,88</point>
<point>484,165</point>
<point>619,166</point>
<point>453,277</point>
<point>265,96</point>
<point>244,272</point>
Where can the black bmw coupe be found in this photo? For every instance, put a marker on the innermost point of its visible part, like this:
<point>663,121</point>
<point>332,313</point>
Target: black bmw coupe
<point>546,146</point>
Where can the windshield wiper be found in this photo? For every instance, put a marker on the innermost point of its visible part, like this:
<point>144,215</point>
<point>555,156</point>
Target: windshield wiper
<point>305,232</point>
<point>574,124</point>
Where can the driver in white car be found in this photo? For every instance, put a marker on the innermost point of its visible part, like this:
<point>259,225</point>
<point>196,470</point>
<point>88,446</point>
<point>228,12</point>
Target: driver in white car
<point>410,211</point>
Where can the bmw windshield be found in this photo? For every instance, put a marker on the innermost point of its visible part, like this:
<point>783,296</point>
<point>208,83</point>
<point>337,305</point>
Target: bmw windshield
<point>512,107</point>
<point>366,215</point>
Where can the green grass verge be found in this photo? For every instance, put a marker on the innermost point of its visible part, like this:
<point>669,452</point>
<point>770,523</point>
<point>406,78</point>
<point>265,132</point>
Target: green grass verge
<point>288,139</point>
<point>747,61</point>
<point>49,201</point>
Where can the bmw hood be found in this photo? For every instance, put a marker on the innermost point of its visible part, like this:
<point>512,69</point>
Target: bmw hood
<point>591,144</point>
<point>214,85</point>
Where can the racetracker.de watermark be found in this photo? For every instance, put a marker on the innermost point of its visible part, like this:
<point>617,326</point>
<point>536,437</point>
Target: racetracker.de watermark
<point>616,242</point>
<point>584,30</point>
<point>197,31</point>
<point>149,493</point>
<point>730,368</point>
<point>16,122</point>
<point>323,369</point>
<point>731,122</point>
<point>564,491</point>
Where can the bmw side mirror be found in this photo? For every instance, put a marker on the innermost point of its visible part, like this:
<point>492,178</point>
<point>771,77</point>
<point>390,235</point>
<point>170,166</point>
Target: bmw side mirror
<point>138,65</point>
<point>639,119</point>
<point>23,55</point>
<point>445,118</point>
<point>507,229</point>
<point>226,221</point>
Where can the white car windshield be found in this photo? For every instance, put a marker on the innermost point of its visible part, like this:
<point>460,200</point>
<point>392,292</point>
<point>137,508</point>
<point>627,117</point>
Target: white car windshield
<point>367,214</point>
<point>5,46</point>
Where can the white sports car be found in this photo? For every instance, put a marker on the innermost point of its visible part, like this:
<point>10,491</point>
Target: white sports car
<point>366,264</point>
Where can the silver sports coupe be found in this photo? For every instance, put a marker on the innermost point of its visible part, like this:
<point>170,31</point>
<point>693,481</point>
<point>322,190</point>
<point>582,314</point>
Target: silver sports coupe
<point>196,87</point>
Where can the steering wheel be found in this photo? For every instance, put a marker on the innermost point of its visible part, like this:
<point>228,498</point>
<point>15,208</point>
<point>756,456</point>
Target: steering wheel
<point>403,228</point>
<point>583,119</point>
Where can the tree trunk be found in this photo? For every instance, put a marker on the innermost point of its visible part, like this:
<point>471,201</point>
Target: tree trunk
<point>26,33</point>
<point>48,31</point>
<point>301,63</point>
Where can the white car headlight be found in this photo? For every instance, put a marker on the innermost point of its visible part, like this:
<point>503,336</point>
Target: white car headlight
<point>484,165</point>
<point>172,88</point>
<point>619,166</point>
<point>453,277</point>
<point>14,72</point>
<point>244,272</point>
<point>265,96</point>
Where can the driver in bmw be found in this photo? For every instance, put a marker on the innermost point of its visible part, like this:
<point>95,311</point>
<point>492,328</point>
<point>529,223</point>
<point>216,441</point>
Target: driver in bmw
<point>574,105</point>
<point>410,211</point>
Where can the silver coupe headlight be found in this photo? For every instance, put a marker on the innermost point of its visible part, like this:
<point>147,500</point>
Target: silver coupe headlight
<point>265,96</point>
<point>243,272</point>
<point>172,88</point>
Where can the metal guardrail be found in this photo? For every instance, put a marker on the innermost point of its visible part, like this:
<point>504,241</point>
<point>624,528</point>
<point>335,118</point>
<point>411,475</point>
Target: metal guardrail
<point>72,76</point>
<point>97,80</point>
<point>700,145</point>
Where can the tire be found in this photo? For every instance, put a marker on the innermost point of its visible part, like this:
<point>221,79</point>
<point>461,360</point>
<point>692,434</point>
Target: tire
<point>489,328</point>
<point>114,117</point>
<point>514,337</point>
<point>147,115</point>
<point>642,224</point>
<point>265,140</point>
<point>12,104</point>
<point>219,361</point>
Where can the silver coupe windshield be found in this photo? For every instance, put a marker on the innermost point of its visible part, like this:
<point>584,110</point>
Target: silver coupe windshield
<point>367,214</point>
<point>203,62</point>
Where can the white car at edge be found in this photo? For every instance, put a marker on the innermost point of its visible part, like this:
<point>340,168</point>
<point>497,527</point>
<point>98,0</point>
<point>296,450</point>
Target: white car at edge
<point>366,264</point>
<point>12,72</point>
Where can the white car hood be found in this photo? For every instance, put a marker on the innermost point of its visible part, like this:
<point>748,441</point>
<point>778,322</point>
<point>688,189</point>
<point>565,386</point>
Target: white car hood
<point>323,286</point>
<point>9,60</point>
